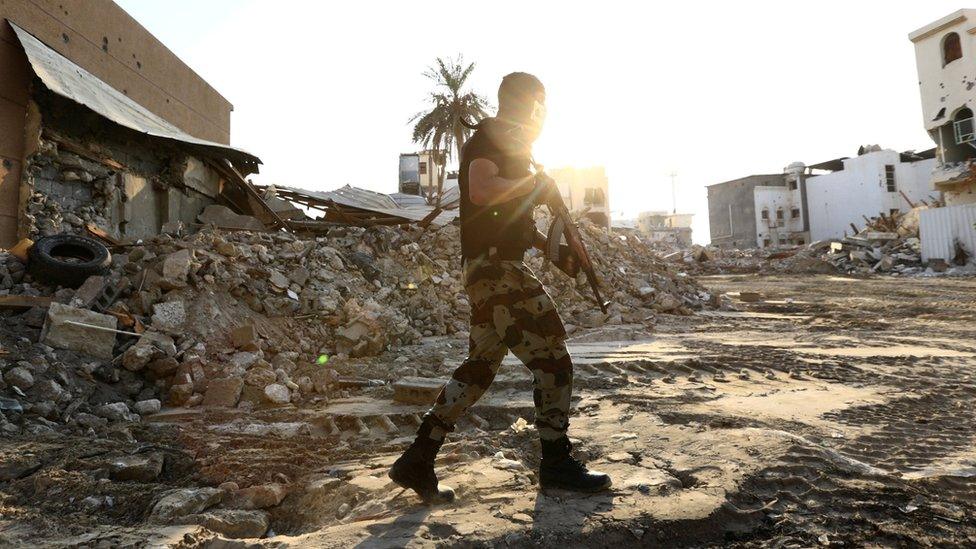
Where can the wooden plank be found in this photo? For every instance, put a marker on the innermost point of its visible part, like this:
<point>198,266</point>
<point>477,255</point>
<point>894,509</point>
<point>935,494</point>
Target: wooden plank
<point>24,301</point>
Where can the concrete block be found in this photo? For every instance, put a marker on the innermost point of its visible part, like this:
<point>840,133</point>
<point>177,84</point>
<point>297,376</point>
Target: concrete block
<point>417,390</point>
<point>94,342</point>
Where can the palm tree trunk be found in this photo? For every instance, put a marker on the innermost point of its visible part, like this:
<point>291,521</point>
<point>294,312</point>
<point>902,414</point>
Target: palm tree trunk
<point>441,167</point>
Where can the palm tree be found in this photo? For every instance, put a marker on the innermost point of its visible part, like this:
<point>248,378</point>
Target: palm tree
<point>440,129</point>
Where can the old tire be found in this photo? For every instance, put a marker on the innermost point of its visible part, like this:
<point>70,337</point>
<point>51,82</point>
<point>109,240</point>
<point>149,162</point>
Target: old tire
<point>67,260</point>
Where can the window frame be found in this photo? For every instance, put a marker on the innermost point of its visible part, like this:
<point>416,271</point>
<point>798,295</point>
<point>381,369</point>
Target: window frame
<point>943,50</point>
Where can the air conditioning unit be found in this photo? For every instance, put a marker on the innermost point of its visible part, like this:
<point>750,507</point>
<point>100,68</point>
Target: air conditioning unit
<point>965,130</point>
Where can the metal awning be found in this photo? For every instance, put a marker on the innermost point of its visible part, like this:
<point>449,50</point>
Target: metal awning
<point>352,205</point>
<point>65,78</point>
<point>834,165</point>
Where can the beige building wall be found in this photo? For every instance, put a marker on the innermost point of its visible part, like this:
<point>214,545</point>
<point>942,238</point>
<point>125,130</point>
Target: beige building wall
<point>584,189</point>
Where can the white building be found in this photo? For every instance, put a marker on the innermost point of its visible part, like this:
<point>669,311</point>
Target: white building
<point>945,56</point>
<point>673,228</point>
<point>780,210</point>
<point>867,185</point>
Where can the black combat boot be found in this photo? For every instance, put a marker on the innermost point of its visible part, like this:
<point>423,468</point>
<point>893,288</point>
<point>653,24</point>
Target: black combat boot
<point>561,470</point>
<point>415,468</point>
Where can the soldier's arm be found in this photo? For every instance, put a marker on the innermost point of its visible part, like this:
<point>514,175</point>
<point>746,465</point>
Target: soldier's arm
<point>487,188</point>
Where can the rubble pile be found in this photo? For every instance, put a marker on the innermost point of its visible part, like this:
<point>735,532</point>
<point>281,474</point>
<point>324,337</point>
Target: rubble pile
<point>247,319</point>
<point>634,279</point>
<point>887,244</point>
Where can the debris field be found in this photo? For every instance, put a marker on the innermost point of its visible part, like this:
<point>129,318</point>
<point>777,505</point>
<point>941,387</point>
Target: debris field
<point>232,385</point>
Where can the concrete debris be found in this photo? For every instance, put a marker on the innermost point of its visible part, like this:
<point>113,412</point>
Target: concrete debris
<point>140,468</point>
<point>277,393</point>
<point>253,319</point>
<point>169,317</point>
<point>888,244</point>
<point>417,390</point>
<point>184,501</point>
<point>232,523</point>
<point>256,497</point>
<point>77,330</point>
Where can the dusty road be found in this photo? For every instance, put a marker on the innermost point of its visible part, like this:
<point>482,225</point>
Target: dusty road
<point>835,411</point>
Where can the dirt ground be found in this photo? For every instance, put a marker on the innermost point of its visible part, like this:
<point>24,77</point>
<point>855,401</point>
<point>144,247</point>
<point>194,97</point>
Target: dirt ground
<point>835,411</point>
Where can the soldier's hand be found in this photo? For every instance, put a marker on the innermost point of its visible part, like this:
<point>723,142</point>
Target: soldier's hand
<point>568,262</point>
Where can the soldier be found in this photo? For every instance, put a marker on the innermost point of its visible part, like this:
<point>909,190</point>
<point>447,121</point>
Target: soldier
<point>510,310</point>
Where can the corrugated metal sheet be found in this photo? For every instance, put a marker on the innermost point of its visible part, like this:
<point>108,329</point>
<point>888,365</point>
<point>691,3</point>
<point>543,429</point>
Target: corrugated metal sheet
<point>65,78</point>
<point>940,228</point>
<point>372,201</point>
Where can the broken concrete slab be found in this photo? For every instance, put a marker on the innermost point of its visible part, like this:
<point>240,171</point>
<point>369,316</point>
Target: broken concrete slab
<point>417,390</point>
<point>147,407</point>
<point>176,269</point>
<point>256,497</point>
<point>78,330</point>
<point>224,217</point>
<point>184,501</point>
<point>169,317</point>
<point>232,523</point>
<point>140,468</point>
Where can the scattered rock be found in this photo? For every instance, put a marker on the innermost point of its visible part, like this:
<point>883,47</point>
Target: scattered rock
<point>140,468</point>
<point>223,392</point>
<point>184,501</point>
<point>277,393</point>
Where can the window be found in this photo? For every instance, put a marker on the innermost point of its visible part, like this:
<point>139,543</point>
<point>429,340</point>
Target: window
<point>792,184</point>
<point>795,213</point>
<point>800,241</point>
<point>890,178</point>
<point>782,240</point>
<point>423,168</point>
<point>779,214</point>
<point>765,213</point>
<point>766,243</point>
<point>951,48</point>
<point>893,211</point>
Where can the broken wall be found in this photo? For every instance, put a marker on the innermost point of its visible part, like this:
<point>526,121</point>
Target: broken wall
<point>84,170</point>
<point>732,210</point>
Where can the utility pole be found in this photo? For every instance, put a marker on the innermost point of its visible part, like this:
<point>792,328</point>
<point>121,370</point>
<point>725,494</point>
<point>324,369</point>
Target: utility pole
<point>674,196</point>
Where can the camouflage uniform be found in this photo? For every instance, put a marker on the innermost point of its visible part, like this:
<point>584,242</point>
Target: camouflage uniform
<point>510,310</point>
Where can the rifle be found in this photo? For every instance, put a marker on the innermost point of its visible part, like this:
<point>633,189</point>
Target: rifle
<point>563,227</point>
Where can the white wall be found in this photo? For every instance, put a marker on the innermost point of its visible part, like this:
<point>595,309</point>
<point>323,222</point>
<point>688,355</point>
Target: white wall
<point>948,86</point>
<point>837,199</point>
<point>773,198</point>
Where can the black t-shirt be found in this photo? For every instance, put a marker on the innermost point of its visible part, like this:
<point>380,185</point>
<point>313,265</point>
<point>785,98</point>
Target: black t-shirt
<point>507,226</point>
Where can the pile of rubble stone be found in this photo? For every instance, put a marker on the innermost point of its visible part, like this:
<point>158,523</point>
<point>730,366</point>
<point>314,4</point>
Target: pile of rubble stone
<point>248,319</point>
<point>888,244</point>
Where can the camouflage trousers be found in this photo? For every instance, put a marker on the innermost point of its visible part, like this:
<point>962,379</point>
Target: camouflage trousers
<point>510,310</point>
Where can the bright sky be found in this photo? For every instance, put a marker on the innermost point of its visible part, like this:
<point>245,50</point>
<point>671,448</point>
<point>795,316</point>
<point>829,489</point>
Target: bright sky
<point>710,90</point>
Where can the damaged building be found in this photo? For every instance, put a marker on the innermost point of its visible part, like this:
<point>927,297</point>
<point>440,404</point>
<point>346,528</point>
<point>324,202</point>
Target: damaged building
<point>945,56</point>
<point>829,199</point>
<point>105,130</point>
<point>585,190</point>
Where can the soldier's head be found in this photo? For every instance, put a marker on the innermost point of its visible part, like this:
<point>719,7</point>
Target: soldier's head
<point>522,101</point>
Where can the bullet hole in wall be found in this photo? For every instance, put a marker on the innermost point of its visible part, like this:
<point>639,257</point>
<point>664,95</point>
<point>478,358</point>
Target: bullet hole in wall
<point>64,37</point>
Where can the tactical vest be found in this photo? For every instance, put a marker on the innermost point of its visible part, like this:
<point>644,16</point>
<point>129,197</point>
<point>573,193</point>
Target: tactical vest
<point>506,227</point>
